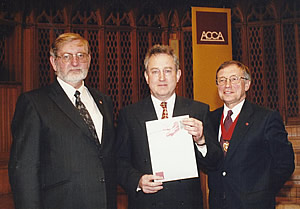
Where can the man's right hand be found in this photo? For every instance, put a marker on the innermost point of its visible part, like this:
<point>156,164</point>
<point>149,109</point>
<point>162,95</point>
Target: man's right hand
<point>148,185</point>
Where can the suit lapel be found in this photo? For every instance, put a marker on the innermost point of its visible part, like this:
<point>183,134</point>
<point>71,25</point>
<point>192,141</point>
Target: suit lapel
<point>216,118</point>
<point>98,100</point>
<point>107,117</point>
<point>243,124</point>
<point>180,106</point>
<point>58,96</point>
<point>145,111</point>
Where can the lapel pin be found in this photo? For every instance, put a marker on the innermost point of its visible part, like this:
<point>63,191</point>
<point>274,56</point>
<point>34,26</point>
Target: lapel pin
<point>100,101</point>
<point>247,124</point>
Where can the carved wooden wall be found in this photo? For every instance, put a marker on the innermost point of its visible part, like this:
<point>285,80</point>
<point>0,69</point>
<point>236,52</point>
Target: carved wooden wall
<point>119,42</point>
<point>266,38</point>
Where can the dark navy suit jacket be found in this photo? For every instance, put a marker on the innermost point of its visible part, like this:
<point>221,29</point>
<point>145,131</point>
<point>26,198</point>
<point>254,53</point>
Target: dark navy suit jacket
<point>258,162</point>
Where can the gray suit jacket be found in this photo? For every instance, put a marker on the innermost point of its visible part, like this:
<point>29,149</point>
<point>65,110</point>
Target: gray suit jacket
<point>54,162</point>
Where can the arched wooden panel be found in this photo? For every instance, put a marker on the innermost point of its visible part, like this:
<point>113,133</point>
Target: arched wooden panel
<point>188,64</point>
<point>270,67</point>
<point>290,62</point>
<point>43,56</point>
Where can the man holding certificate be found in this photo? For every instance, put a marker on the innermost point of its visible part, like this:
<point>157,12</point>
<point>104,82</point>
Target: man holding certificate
<point>160,126</point>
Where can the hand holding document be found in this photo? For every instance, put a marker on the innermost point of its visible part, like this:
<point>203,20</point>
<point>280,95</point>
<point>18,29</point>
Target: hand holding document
<point>171,149</point>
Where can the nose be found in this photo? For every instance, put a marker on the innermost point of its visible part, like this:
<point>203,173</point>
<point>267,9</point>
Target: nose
<point>162,75</point>
<point>74,60</point>
<point>228,82</point>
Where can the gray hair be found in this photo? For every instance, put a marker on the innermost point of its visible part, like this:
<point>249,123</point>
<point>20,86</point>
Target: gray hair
<point>161,49</point>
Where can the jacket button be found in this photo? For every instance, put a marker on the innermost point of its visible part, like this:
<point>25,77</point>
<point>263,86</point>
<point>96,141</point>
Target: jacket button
<point>224,173</point>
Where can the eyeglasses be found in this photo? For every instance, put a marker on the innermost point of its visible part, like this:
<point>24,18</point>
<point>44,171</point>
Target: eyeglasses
<point>67,57</point>
<point>233,80</point>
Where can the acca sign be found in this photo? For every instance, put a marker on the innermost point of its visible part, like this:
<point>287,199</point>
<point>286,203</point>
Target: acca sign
<point>211,28</point>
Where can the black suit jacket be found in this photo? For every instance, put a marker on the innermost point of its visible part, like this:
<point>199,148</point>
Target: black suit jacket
<point>258,162</point>
<point>54,163</point>
<point>134,158</point>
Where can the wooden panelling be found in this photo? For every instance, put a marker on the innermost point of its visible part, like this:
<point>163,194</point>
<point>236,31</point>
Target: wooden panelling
<point>9,93</point>
<point>4,183</point>
<point>6,202</point>
<point>122,199</point>
<point>8,97</point>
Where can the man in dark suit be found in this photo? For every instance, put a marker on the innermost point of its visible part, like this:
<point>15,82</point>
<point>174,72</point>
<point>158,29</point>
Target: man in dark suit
<point>59,158</point>
<point>145,190</point>
<point>258,158</point>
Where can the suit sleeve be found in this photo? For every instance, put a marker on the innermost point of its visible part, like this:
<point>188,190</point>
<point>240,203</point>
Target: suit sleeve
<point>128,177</point>
<point>214,153</point>
<point>24,156</point>
<point>281,151</point>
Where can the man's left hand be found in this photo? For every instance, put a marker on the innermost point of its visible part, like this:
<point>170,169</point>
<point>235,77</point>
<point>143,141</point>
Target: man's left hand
<point>195,128</point>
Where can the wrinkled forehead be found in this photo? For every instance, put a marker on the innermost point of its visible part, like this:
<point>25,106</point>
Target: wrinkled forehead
<point>73,45</point>
<point>230,70</point>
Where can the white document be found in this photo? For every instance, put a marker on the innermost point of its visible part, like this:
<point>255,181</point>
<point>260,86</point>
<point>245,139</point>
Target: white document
<point>171,149</point>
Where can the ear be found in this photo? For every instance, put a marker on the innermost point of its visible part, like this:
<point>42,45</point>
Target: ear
<point>52,61</point>
<point>247,85</point>
<point>146,76</point>
<point>89,61</point>
<point>178,75</point>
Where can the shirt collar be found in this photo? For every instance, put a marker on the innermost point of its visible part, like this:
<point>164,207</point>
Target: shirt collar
<point>70,90</point>
<point>235,110</point>
<point>170,105</point>
<point>170,101</point>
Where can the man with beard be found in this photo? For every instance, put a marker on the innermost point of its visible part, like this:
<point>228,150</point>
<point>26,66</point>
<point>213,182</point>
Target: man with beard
<point>62,154</point>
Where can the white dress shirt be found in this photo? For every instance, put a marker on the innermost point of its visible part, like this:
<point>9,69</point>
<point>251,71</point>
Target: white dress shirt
<point>88,101</point>
<point>159,110</point>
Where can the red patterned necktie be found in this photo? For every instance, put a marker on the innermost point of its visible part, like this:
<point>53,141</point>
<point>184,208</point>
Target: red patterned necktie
<point>227,124</point>
<point>165,111</point>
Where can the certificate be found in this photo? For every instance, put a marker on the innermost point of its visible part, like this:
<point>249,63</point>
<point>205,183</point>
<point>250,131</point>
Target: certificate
<point>171,149</point>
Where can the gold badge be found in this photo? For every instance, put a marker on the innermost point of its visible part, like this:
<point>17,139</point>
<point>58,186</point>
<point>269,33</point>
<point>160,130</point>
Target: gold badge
<point>226,145</point>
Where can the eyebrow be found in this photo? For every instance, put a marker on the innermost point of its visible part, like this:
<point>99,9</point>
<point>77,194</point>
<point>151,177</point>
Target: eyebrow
<point>229,76</point>
<point>157,68</point>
